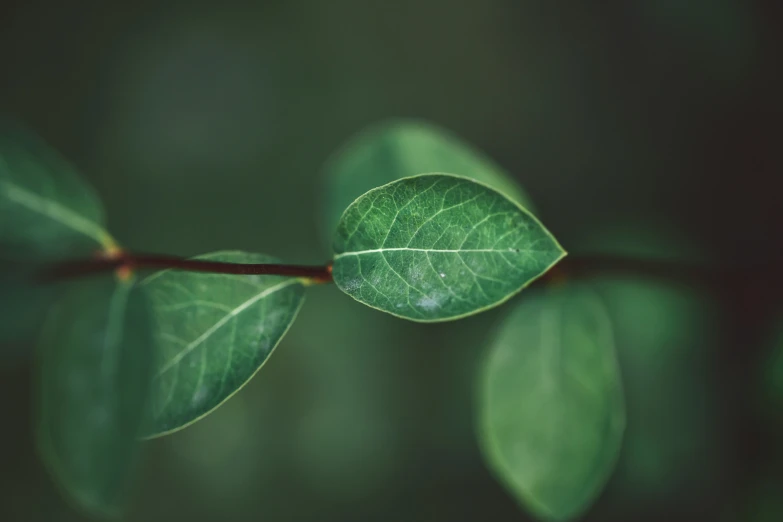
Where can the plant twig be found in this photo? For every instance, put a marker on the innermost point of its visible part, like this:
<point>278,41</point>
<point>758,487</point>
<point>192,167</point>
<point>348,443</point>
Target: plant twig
<point>127,261</point>
<point>572,267</point>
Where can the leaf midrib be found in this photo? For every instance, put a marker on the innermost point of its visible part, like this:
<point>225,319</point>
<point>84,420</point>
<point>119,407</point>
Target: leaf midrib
<point>57,212</point>
<point>402,249</point>
<point>215,327</point>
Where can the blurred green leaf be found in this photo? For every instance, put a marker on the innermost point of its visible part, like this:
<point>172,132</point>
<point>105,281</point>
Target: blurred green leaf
<point>45,207</point>
<point>96,364</point>
<point>551,402</point>
<point>214,332</point>
<point>438,247</point>
<point>664,333</point>
<point>399,149</point>
<point>46,212</point>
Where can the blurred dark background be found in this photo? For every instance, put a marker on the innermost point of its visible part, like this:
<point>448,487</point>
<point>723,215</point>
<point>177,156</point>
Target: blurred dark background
<point>204,126</point>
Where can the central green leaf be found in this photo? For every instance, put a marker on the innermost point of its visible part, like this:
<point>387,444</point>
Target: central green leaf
<point>213,332</point>
<point>437,247</point>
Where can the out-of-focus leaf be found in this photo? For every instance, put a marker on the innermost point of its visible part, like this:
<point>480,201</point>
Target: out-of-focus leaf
<point>438,247</point>
<point>213,332</point>
<point>45,207</point>
<point>666,336</point>
<point>96,364</point>
<point>551,405</point>
<point>46,212</point>
<point>399,149</point>
<point>662,334</point>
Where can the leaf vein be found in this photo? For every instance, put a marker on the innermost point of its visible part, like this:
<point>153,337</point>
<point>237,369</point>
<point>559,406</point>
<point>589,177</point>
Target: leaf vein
<point>56,212</point>
<point>211,330</point>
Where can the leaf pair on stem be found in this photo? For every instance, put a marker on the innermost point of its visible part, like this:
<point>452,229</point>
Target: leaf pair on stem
<point>136,356</point>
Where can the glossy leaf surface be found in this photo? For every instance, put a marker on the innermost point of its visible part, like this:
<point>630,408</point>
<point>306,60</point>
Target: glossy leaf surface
<point>402,148</point>
<point>437,247</point>
<point>551,406</point>
<point>214,332</point>
<point>96,358</point>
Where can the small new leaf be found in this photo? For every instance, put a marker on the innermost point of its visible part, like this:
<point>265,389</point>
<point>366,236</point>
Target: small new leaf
<point>96,358</point>
<point>213,333</point>
<point>399,149</point>
<point>552,412</point>
<point>438,247</point>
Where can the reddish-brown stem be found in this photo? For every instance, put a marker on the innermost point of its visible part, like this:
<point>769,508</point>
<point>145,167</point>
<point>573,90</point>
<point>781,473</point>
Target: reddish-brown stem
<point>571,267</point>
<point>127,261</point>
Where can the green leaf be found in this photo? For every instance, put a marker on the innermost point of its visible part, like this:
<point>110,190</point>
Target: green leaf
<point>214,332</point>
<point>46,212</point>
<point>664,333</point>
<point>95,369</point>
<point>399,149</point>
<point>438,247</point>
<point>551,402</point>
<point>46,209</point>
